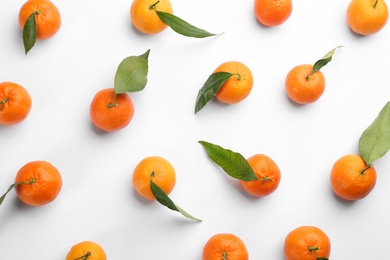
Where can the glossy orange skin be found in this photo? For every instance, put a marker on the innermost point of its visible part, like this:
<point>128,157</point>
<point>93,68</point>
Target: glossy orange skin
<point>48,17</point>
<point>302,86</point>
<point>268,173</point>
<point>238,86</point>
<point>47,183</point>
<point>299,241</point>
<point>15,103</point>
<point>157,169</point>
<point>145,18</point>
<point>272,12</point>
<point>225,244</point>
<point>83,248</point>
<point>366,17</point>
<point>109,117</point>
<point>347,179</point>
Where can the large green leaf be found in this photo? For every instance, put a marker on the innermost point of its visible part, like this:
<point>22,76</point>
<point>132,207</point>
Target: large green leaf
<point>182,27</point>
<point>234,164</point>
<point>210,88</point>
<point>375,140</point>
<point>131,75</point>
<point>29,32</point>
<point>324,60</point>
<point>166,201</point>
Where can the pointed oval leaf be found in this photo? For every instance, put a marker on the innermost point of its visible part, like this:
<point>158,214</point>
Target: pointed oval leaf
<point>324,60</point>
<point>29,32</point>
<point>166,201</point>
<point>375,140</point>
<point>182,27</point>
<point>210,88</point>
<point>131,75</point>
<point>234,164</point>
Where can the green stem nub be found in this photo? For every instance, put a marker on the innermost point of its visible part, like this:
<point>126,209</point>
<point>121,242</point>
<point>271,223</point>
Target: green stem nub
<point>2,103</point>
<point>114,104</point>
<point>84,257</point>
<point>153,6</point>
<point>364,170</point>
<point>224,256</point>
<point>376,2</point>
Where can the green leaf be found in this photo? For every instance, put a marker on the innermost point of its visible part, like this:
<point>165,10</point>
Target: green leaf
<point>324,60</point>
<point>131,75</point>
<point>375,140</point>
<point>210,88</point>
<point>231,162</point>
<point>29,32</point>
<point>166,201</point>
<point>321,258</point>
<point>182,27</point>
<point>11,187</point>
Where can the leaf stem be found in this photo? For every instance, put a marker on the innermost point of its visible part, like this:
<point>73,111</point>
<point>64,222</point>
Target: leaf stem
<point>364,170</point>
<point>2,103</point>
<point>111,105</point>
<point>238,76</point>
<point>224,255</point>
<point>376,2</point>
<point>13,186</point>
<point>153,6</point>
<point>84,257</point>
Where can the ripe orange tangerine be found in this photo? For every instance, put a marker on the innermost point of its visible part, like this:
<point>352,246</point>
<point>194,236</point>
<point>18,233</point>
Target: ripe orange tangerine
<point>111,112</point>
<point>15,103</point>
<point>238,86</point>
<point>86,250</point>
<point>272,12</point>
<point>268,173</point>
<point>304,87</point>
<point>225,246</point>
<point>47,16</point>
<point>157,169</point>
<point>144,17</point>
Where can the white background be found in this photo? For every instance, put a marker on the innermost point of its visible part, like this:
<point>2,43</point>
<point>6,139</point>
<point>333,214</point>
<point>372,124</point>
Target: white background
<point>97,201</point>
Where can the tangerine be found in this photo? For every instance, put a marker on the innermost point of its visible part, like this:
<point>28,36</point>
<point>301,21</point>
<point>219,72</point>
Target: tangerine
<point>272,12</point>
<point>41,183</point>
<point>144,17</point>
<point>225,246</point>
<point>110,111</point>
<point>47,17</point>
<point>304,87</point>
<point>15,103</point>
<point>157,169</point>
<point>366,17</point>
<point>268,173</point>
<point>86,250</point>
<point>238,86</point>
<point>306,243</point>
<point>351,178</point>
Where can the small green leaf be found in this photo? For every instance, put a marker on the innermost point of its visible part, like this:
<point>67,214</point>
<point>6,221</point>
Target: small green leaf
<point>324,60</point>
<point>210,88</point>
<point>29,32</point>
<point>166,201</point>
<point>182,27</point>
<point>231,162</point>
<point>375,140</point>
<point>11,187</point>
<point>131,75</point>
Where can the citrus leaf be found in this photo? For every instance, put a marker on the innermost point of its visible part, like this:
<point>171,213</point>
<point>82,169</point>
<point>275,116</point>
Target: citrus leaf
<point>166,201</point>
<point>29,32</point>
<point>210,88</point>
<point>375,140</point>
<point>324,60</point>
<point>10,188</point>
<point>234,164</point>
<point>182,27</point>
<point>131,75</point>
